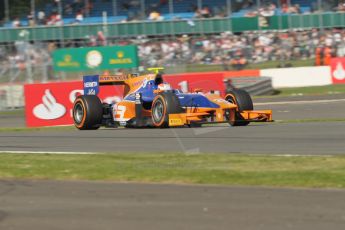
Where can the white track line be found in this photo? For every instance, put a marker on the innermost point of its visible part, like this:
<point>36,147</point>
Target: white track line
<point>47,152</point>
<point>95,153</point>
<point>300,102</point>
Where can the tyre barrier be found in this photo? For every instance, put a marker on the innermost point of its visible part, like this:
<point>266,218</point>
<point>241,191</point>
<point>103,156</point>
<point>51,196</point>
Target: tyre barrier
<point>253,85</point>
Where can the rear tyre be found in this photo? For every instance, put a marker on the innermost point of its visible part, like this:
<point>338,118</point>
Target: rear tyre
<point>243,101</point>
<point>87,112</point>
<point>164,104</point>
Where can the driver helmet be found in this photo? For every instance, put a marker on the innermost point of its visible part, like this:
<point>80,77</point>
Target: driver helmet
<point>164,86</point>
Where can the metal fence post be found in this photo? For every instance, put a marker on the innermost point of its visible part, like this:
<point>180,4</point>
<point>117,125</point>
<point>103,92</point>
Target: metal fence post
<point>33,11</point>
<point>7,11</point>
<point>171,6</point>
<point>114,8</point>
<point>229,12</point>
<point>320,14</point>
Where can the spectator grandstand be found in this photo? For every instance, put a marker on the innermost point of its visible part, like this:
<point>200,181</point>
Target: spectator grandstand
<point>92,11</point>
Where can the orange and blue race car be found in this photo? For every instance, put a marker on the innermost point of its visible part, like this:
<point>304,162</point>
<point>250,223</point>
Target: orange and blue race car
<point>150,102</point>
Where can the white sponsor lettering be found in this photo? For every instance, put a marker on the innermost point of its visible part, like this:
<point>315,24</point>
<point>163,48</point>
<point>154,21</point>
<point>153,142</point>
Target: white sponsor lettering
<point>90,84</point>
<point>91,92</point>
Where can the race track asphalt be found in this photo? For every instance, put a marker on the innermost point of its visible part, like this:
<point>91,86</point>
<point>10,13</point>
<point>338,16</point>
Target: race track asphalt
<point>268,138</point>
<point>36,205</point>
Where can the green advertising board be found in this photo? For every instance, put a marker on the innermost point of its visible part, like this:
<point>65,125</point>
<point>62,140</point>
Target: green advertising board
<point>95,58</point>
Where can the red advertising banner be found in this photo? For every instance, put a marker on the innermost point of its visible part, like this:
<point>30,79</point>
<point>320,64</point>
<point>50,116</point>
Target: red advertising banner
<point>207,81</point>
<point>338,70</point>
<point>190,82</point>
<point>51,104</point>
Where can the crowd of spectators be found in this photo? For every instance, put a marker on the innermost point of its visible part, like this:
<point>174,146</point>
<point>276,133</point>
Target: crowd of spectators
<point>231,50</point>
<point>226,49</point>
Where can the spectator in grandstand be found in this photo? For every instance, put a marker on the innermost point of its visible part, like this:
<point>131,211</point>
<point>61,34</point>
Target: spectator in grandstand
<point>267,10</point>
<point>238,62</point>
<point>155,16</point>
<point>341,6</point>
<point>92,41</point>
<point>205,12</point>
<point>31,20</point>
<point>41,18</point>
<point>79,17</point>
<point>295,9</point>
<point>285,8</point>
<point>55,19</point>
<point>16,22</point>
<point>101,39</point>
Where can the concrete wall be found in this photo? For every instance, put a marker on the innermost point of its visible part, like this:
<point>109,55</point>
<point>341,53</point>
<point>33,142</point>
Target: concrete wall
<point>299,76</point>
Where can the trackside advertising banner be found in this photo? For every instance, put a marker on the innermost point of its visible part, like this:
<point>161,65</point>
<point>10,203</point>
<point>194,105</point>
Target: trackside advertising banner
<point>95,58</point>
<point>51,104</point>
<point>338,70</point>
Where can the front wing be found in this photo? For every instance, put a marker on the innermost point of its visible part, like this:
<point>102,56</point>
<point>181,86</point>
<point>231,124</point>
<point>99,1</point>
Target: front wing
<point>201,117</point>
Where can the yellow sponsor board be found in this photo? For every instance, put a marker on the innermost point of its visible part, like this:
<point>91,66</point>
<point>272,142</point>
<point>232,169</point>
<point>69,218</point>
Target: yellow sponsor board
<point>121,61</point>
<point>68,62</point>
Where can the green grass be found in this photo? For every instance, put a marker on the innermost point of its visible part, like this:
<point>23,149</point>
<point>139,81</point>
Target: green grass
<point>25,129</point>
<point>315,90</point>
<point>223,169</point>
<point>14,112</point>
<point>311,120</point>
<point>208,68</point>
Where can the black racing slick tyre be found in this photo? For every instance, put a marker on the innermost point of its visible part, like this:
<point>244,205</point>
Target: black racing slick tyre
<point>243,101</point>
<point>164,104</point>
<point>87,112</point>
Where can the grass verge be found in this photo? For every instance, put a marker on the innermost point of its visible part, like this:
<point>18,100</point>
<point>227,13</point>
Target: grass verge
<point>314,90</point>
<point>263,65</point>
<point>14,112</point>
<point>224,169</point>
<point>25,129</point>
<point>311,120</point>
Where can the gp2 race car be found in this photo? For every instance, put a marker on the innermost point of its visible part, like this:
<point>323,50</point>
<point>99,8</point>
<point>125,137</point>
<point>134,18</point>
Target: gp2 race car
<point>150,102</point>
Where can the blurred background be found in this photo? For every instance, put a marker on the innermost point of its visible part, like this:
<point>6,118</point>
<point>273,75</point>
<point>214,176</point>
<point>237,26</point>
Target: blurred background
<point>181,35</point>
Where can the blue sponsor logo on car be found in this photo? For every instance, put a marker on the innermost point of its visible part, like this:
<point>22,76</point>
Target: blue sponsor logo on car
<point>91,85</point>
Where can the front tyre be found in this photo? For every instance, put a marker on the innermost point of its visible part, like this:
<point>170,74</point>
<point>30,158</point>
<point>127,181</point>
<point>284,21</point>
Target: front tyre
<point>242,99</point>
<point>164,104</point>
<point>87,112</point>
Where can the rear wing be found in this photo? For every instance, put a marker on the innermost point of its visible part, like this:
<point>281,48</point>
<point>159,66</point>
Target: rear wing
<point>92,83</point>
